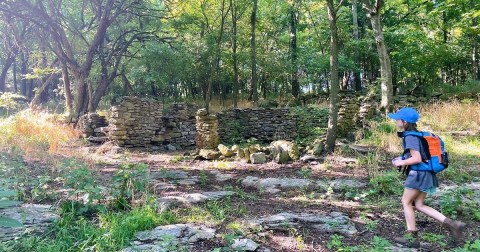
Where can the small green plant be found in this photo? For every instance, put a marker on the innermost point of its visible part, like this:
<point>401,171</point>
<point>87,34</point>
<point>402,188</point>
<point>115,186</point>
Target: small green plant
<point>335,242</point>
<point>82,181</point>
<point>387,183</point>
<point>130,178</point>
<point>203,178</point>
<point>305,172</point>
<point>371,225</point>
<point>460,203</point>
<point>380,245</point>
<point>434,238</point>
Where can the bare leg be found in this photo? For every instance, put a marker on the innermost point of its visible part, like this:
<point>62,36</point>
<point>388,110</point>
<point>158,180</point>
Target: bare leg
<point>409,196</point>
<point>420,206</point>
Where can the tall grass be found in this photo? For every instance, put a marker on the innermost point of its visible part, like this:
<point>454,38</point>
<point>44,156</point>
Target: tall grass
<point>451,116</point>
<point>34,132</point>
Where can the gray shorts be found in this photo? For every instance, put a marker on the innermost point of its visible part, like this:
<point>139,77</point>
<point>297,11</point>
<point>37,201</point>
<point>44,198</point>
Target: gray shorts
<point>424,181</point>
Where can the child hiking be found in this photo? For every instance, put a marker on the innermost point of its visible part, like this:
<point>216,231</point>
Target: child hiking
<point>424,156</point>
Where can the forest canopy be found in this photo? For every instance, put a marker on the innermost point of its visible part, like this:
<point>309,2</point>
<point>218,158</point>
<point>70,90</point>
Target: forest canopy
<point>88,53</point>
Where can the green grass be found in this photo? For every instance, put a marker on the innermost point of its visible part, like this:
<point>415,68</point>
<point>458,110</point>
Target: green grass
<point>113,231</point>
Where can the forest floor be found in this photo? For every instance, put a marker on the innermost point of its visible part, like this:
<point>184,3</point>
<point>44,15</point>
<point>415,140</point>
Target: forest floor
<point>80,197</point>
<point>334,184</point>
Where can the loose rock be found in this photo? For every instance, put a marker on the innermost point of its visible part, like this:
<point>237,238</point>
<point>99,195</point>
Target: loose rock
<point>258,158</point>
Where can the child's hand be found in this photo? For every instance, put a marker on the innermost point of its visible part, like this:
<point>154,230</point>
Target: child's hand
<point>398,162</point>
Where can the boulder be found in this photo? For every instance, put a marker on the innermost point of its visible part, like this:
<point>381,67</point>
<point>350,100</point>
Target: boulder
<point>209,154</point>
<point>227,152</point>
<point>284,151</point>
<point>258,158</point>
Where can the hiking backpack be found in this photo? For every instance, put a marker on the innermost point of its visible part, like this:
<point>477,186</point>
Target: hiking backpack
<point>434,148</point>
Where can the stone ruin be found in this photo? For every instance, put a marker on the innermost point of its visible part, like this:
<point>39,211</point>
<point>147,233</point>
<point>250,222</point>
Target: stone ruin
<point>142,122</point>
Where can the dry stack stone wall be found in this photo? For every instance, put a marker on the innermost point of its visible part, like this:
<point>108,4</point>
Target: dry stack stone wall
<point>264,124</point>
<point>177,126</point>
<point>347,112</point>
<point>134,121</point>
<point>89,123</point>
<point>140,122</point>
<point>207,130</point>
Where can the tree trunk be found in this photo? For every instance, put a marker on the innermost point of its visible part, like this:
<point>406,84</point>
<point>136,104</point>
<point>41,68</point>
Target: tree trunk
<point>385,66</point>
<point>3,74</point>
<point>37,99</point>
<point>356,73</point>
<point>334,80</point>
<point>23,72</point>
<point>67,90</point>
<point>253,21</point>
<point>293,49</point>
<point>15,84</point>
<point>475,53</point>
<point>234,10</point>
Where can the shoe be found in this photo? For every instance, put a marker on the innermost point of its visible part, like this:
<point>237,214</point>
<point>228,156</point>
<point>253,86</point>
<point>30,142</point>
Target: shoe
<point>456,228</point>
<point>410,239</point>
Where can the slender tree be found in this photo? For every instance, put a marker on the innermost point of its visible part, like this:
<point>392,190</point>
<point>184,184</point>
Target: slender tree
<point>373,13</point>
<point>253,56</point>
<point>334,80</point>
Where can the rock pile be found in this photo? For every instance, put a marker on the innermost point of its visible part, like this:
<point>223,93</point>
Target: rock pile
<point>176,237</point>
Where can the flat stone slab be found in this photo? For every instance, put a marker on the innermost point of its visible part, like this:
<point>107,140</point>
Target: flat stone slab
<point>170,238</point>
<point>244,245</point>
<point>170,179</point>
<point>334,222</point>
<point>192,198</point>
<point>34,217</point>
<point>274,185</point>
<point>339,184</point>
<point>221,176</point>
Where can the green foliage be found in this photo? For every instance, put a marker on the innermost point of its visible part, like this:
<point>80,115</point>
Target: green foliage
<point>6,203</point>
<point>113,231</point>
<point>387,183</point>
<point>83,182</point>
<point>11,102</point>
<point>460,202</point>
<point>129,179</point>
<point>305,172</point>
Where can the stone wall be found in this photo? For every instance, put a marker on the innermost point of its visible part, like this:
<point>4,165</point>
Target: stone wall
<point>177,126</point>
<point>264,124</point>
<point>140,122</point>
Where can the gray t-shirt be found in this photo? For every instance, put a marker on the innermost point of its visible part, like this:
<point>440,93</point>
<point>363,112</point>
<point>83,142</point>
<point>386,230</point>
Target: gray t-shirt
<point>413,142</point>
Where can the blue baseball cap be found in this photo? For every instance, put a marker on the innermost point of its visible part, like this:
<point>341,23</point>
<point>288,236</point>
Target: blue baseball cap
<point>407,114</point>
